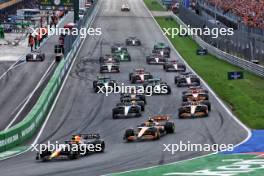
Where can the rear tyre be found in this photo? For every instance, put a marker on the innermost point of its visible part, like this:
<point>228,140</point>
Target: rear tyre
<point>74,156</point>
<point>169,127</point>
<point>128,133</point>
<point>168,90</point>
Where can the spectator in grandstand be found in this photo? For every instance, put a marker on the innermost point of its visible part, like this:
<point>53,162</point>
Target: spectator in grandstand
<point>251,12</point>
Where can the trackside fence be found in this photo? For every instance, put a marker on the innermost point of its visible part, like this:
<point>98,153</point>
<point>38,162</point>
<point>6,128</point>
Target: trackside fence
<point>242,63</point>
<point>25,129</point>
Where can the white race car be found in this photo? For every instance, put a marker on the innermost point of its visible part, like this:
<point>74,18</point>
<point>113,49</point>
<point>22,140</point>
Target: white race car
<point>125,7</point>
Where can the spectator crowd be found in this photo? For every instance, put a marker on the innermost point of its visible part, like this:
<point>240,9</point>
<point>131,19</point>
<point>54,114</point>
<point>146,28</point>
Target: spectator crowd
<point>250,11</point>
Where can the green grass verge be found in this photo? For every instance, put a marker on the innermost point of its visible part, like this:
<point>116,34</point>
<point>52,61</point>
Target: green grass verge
<point>153,5</point>
<point>245,97</point>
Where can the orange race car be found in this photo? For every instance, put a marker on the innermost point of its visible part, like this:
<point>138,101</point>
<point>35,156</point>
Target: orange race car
<point>193,110</point>
<point>152,129</point>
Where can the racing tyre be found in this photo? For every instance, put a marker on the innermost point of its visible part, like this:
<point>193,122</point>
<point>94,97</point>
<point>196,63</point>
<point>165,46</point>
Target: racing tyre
<point>208,104</point>
<point>74,155</point>
<point>168,90</point>
<point>133,80</point>
<point>169,127</point>
<point>175,80</point>
<point>94,84</point>
<point>102,146</point>
<point>114,114</point>
<point>101,59</point>
<point>128,133</point>
<point>147,60</point>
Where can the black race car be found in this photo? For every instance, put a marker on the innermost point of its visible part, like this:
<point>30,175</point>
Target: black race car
<point>126,110</point>
<point>108,59</point>
<point>156,59</point>
<point>157,87</point>
<point>174,66</point>
<point>79,145</point>
<point>109,68</point>
<point>133,41</point>
<point>35,56</point>
<point>187,79</point>
<point>118,47</point>
<point>139,76</point>
<point>103,83</point>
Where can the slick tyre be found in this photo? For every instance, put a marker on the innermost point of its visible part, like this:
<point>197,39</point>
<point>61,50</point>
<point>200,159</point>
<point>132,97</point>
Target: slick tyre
<point>169,127</point>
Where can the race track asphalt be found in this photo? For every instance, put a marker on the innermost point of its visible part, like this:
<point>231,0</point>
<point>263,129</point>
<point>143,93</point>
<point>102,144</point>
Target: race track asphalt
<point>21,80</point>
<point>80,110</point>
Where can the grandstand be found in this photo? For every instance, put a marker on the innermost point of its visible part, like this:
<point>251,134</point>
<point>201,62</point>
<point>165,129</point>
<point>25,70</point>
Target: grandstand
<point>246,17</point>
<point>251,12</point>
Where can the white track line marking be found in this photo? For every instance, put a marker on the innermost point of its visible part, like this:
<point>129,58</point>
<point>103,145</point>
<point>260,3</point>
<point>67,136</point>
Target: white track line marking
<point>20,104</point>
<point>31,95</point>
<point>58,95</point>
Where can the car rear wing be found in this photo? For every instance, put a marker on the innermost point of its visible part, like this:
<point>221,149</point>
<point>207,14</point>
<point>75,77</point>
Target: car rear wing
<point>89,136</point>
<point>159,118</point>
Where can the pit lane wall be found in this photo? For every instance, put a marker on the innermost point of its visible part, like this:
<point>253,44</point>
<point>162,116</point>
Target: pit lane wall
<point>24,130</point>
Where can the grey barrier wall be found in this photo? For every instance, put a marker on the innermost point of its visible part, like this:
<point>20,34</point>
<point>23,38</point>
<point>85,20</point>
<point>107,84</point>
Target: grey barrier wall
<point>245,44</point>
<point>242,63</point>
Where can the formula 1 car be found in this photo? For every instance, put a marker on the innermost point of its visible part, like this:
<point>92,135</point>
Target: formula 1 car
<point>195,95</point>
<point>157,86</point>
<point>193,110</point>
<point>152,129</point>
<point>122,56</point>
<point>195,89</point>
<point>117,47</point>
<point>201,102</point>
<point>108,59</point>
<point>125,7</point>
<point>134,96</point>
<point>174,66</point>
<point>187,79</point>
<point>133,41</point>
<point>126,110</point>
<point>162,49</point>
<point>109,68</point>
<point>79,145</point>
<point>35,56</point>
<point>102,83</point>
<point>136,100</point>
<point>156,59</point>
<point>139,76</point>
